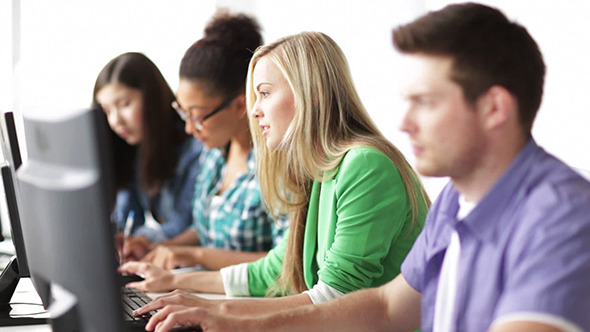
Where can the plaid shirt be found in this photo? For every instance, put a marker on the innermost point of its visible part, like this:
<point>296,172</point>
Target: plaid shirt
<point>237,219</point>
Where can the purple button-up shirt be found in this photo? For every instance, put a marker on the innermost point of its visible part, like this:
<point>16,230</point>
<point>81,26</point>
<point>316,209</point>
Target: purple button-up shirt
<point>525,248</point>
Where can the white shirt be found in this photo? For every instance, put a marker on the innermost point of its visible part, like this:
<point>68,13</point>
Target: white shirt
<point>447,282</point>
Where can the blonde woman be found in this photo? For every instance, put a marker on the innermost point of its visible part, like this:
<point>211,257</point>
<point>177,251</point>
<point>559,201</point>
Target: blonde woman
<point>355,205</point>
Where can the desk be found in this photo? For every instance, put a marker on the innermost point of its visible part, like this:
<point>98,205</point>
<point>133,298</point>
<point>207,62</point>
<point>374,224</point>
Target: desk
<point>25,293</point>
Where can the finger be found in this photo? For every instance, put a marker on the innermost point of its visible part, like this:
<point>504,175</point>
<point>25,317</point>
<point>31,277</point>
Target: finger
<point>127,247</point>
<point>158,317</point>
<point>137,284</point>
<point>154,305</point>
<point>157,303</point>
<point>135,267</point>
<point>182,316</point>
<point>129,267</point>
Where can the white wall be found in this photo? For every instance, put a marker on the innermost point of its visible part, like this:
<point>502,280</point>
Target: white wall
<point>7,54</point>
<point>65,43</point>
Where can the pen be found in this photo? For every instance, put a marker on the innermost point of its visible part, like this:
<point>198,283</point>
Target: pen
<point>127,232</point>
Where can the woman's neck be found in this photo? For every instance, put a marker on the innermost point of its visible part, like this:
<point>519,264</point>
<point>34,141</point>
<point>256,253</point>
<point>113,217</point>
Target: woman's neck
<point>237,160</point>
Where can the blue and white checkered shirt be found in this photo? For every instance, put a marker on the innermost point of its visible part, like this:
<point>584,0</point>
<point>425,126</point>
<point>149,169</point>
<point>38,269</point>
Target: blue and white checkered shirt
<point>236,219</point>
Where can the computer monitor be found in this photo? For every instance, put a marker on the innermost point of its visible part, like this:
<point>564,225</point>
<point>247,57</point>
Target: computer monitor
<point>10,148</point>
<point>17,268</point>
<point>66,194</point>
<point>12,161</point>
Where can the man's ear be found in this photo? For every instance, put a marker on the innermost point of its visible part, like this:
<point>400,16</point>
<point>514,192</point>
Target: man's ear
<point>498,106</point>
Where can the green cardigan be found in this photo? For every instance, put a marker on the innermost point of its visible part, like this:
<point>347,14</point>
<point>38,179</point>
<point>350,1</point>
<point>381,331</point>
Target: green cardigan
<point>356,233</point>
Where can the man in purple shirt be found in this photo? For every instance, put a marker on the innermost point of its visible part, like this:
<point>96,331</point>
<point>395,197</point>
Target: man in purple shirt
<point>506,246</point>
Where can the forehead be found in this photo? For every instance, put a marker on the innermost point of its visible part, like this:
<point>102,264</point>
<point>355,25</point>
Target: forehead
<point>425,73</point>
<point>112,91</point>
<point>187,87</point>
<point>193,94</point>
<point>266,71</point>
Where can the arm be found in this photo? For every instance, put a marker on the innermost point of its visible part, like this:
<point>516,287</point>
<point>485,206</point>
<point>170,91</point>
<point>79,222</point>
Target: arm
<point>188,237</point>
<point>370,223</point>
<point>137,247</point>
<point>393,306</point>
<point>171,257</point>
<point>215,258</point>
<point>160,280</point>
<point>236,307</point>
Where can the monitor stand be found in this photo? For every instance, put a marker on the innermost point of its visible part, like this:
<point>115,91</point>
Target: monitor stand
<point>8,281</point>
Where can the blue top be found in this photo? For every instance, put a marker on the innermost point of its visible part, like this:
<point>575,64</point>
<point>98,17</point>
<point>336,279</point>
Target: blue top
<point>236,219</point>
<point>525,249</point>
<point>172,207</point>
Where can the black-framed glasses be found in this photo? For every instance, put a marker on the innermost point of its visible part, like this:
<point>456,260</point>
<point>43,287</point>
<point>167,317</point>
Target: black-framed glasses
<point>198,121</point>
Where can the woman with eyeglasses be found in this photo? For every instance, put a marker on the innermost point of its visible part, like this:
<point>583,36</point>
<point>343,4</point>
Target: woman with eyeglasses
<point>230,223</point>
<point>156,162</point>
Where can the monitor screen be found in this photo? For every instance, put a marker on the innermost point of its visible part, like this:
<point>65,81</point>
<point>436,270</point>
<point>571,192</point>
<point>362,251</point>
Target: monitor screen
<point>66,194</point>
<point>18,267</point>
<point>12,157</point>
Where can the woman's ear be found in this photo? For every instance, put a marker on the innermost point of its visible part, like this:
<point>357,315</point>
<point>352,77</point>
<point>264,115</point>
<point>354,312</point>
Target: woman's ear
<point>240,104</point>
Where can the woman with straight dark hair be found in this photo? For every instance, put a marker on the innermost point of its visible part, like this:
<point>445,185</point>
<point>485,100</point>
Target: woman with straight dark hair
<point>156,162</point>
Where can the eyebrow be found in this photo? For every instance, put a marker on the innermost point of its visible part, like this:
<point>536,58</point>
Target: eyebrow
<point>115,102</point>
<point>419,94</point>
<point>259,84</point>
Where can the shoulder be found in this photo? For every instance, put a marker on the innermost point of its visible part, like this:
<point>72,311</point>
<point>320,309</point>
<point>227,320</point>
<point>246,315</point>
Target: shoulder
<point>189,151</point>
<point>366,157</point>
<point>368,167</point>
<point>551,184</point>
<point>553,206</point>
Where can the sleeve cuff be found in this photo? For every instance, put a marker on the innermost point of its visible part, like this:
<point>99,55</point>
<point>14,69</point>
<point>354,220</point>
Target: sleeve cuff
<point>235,280</point>
<point>322,292</point>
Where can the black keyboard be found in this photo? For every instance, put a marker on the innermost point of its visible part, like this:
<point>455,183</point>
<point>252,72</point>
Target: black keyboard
<point>134,299</point>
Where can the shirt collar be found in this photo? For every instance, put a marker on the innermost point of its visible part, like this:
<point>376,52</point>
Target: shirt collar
<point>485,219</point>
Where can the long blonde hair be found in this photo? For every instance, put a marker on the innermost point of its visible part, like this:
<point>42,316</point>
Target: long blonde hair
<point>329,120</point>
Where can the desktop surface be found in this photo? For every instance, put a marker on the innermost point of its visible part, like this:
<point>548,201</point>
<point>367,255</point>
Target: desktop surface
<point>26,303</point>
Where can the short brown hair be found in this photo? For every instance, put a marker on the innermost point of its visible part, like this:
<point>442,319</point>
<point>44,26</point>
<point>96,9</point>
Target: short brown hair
<point>487,49</point>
